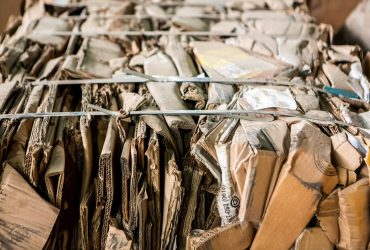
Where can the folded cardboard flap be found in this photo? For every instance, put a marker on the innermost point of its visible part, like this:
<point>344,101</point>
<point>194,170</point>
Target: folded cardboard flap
<point>54,175</point>
<point>367,161</point>
<point>346,156</point>
<point>258,176</point>
<point>222,60</point>
<point>354,221</point>
<point>309,173</point>
<point>346,177</point>
<point>239,152</point>
<point>94,56</point>
<point>327,215</point>
<point>186,68</point>
<point>27,219</point>
<point>336,76</point>
<point>232,236</point>
<point>167,95</point>
<point>275,138</point>
<point>6,89</point>
<point>313,238</point>
<point>228,201</point>
<point>46,24</point>
<point>287,214</point>
<point>87,207</point>
<point>172,200</point>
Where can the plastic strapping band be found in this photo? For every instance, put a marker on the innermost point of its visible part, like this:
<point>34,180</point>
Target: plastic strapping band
<point>139,17</point>
<point>141,3</point>
<point>241,114</point>
<point>135,33</point>
<point>136,77</point>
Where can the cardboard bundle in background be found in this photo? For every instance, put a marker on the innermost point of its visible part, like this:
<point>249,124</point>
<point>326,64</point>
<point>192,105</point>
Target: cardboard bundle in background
<point>332,12</point>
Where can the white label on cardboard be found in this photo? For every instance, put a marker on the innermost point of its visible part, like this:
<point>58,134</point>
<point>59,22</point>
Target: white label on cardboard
<point>262,98</point>
<point>227,200</point>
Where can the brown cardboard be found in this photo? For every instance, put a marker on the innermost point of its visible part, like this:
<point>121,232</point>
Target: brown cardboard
<point>332,12</point>
<point>239,154</point>
<point>92,59</point>
<point>27,219</point>
<point>172,200</point>
<point>117,239</point>
<point>355,23</point>
<point>367,160</point>
<point>87,142</point>
<point>308,172</point>
<point>364,171</point>
<point>277,135</point>
<point>336,76</point>
<point>126,172</point>
<point>106,173</point>
<point>367,64</point>
<point>137,156</point>
<point>259,173</point>
<point>280,23</point>
<point>167,95</point>
<point>327,215</point>
<point>228,201</point>
<point>154,188</point>
<point>354,221</point>
<point>346,177</point>
<point>7,9</point>
<point>313,238</point>
<point>16,95</point>
<point>204,150</point>
<point>282,212</point>
<point>233,236</point>
<point>159,192</point>
<point>186,68</point>
<point>346,156</point>
<point>143,213</point>
<point>25,126</point>
<point>158,124</point>
<point>6,89</point>
<point>54,175</point>
<point>34,153</point>
<point>222,60</point>
<point>87,207</point>
<point>46,24</point>
<point>189,214</point>
<point>9,58</point>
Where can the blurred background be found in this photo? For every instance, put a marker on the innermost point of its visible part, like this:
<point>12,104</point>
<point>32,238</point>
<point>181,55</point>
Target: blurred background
<point>7,8</point>
<point>350,18</point>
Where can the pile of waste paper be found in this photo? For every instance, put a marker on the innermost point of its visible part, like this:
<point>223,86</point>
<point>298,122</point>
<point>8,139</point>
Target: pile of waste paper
<point>228,124</point>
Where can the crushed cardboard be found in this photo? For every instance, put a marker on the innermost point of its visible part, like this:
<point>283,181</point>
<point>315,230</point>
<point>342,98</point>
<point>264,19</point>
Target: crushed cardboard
<point>290,171</point>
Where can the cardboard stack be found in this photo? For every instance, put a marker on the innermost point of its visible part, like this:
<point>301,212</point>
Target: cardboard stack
<point>253,129</point>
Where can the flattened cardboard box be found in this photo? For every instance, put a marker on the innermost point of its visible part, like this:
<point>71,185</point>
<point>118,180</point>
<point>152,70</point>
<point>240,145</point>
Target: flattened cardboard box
<point>313,238</point>
<point>288,213</point>
<point>27,219</point>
